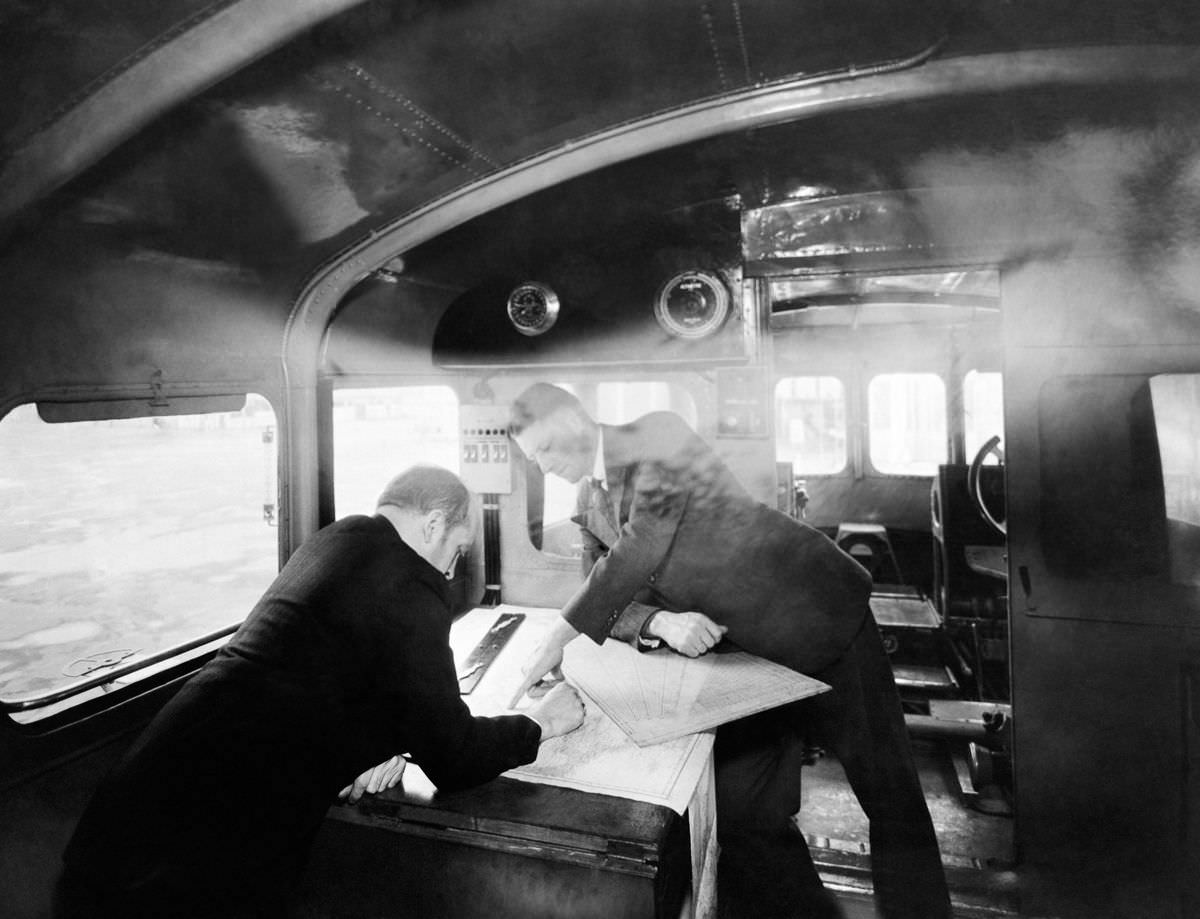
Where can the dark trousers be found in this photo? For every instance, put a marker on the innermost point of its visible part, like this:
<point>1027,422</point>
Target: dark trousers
<point>765,868</point>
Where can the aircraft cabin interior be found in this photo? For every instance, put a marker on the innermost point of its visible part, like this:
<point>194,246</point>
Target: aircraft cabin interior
<point>926,276</point>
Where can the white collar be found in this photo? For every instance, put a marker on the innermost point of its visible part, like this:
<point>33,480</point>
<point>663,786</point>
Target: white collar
<point>598,471</point>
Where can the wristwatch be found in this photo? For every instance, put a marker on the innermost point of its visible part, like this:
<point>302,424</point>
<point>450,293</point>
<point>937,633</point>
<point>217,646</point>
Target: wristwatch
<point>646,641</point>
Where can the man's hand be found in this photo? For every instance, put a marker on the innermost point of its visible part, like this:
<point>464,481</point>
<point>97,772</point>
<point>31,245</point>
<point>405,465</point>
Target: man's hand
<point>692,634</point>
<point>546,659</point>
<point>558,712</point>
<point>376,779</point>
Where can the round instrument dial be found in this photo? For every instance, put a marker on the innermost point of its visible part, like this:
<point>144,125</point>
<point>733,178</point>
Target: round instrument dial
<point>692,305</point>
<point>532,308</point>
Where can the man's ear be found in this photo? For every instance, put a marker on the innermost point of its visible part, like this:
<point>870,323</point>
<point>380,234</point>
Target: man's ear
<point>433,527</point>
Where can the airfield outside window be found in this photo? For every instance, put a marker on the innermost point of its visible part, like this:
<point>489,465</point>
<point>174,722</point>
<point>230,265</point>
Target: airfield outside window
<point>382,431</point>
<point>810,424</point>
<point>907,423</point>
<point>124,538</point>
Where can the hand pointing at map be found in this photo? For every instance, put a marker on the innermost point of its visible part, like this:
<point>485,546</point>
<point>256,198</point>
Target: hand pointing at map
<point>546,658</point>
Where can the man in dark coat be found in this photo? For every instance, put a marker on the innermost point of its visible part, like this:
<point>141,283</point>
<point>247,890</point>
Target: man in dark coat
<point>692,558</point>
<point>343,662</point>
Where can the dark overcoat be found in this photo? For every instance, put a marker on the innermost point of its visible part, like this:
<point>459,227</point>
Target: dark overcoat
<point>344,662</point>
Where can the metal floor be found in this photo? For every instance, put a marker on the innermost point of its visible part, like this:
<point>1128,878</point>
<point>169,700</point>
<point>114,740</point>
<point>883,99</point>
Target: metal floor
<point>977,846</point>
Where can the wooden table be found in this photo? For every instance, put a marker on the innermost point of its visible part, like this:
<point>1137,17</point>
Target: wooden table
<point>505,849</point>
<point>512,848</point>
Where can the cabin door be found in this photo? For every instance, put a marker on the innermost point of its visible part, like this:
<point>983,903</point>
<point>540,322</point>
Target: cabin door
<point>1103,484</point>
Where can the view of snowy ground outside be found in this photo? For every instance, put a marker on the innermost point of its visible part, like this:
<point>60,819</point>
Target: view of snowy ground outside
<point>126,537</point>
<point>120,539</point>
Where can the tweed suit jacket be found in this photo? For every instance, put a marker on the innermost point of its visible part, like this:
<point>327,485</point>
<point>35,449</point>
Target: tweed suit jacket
<point>692,538</point>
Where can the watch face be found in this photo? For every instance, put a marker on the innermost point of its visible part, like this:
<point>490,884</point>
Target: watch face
<point>532,308</point>
<point>692,305</point>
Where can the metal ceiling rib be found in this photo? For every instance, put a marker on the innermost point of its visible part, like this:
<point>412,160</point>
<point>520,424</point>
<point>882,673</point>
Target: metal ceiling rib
<point>419,96</point>
<point>218,40</point>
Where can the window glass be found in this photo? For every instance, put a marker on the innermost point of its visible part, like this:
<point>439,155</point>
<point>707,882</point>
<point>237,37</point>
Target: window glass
<point>612,402</point>
<point>1102,512</point>
<point>380,432</point>
<point>1176,400</point>
<point>983,409</point>
<point>907,423</point>
<point>810,424</point>
<point>558,504</point>
<point>123,538</point>
<point>620,403</point>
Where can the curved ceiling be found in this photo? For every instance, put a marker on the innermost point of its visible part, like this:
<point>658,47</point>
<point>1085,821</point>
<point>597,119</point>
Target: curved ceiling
<point>317,134</point>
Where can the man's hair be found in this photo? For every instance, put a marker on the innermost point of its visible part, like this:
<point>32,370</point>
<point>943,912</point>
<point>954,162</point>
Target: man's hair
<point>427,488</point>
<point>540,401</point>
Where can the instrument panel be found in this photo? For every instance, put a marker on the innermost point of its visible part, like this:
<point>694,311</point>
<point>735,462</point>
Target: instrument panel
<point>532,308</point>
<point>664,287</point>
<point>694,304</point>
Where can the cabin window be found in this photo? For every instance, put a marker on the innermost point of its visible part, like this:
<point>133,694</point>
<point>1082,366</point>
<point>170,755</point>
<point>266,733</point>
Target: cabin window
<point>810,424</point>
<point>983,409</point>
<point>550,526</point>
<point>124,538</point>
<point>1103,515</point>
<point>380,432</point>
<point>1176,402</point>
<point>609,402</point>
<point>907,423</point>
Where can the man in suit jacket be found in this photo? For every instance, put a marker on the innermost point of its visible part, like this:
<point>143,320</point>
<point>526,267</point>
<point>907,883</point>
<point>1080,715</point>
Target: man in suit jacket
<point>344,661</point>
<point>691,558</point>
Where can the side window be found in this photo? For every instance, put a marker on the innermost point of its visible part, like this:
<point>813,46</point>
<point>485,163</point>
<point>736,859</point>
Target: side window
<point>558,503</point>
<point>620,403</point>
<point>907,423</point>
<point>983,409</point>
<point>1176,401</point>
<point>380,432</point>
<point>121,539</point>
<point>1102,509</point>
<point>810,424</point>
<point>610,403</point>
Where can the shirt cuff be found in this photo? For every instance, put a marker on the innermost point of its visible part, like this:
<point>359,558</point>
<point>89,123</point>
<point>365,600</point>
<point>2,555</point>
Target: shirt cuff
<point>646,641</point>
<point>629,626</point>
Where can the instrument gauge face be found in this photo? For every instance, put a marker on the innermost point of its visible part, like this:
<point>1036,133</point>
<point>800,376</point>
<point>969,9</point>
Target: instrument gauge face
<point>693,304</point>
<point>532,308</point>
